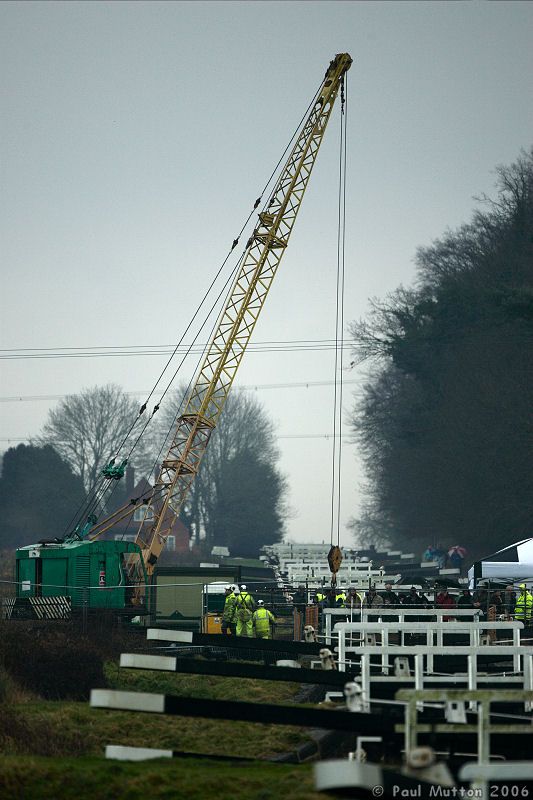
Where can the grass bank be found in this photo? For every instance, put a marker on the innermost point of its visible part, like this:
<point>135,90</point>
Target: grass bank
<point>178,779</point>
<point>54,749</point>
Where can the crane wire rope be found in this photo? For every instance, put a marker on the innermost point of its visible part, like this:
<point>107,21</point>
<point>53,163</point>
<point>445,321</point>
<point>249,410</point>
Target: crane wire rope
<point>336,456</point>
<point>233,246</point>
<point>209,290</point>
<point>98,493</point>
<point>185,394</point>
<point>341,345</point>
<point>91,503</point>
<point>227,285</point>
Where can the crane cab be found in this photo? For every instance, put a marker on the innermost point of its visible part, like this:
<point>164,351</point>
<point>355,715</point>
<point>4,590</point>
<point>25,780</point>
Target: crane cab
<point>82,573</point>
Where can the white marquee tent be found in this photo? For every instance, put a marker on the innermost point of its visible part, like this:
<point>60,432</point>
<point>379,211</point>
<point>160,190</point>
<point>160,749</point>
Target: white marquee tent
<point>513,563</point>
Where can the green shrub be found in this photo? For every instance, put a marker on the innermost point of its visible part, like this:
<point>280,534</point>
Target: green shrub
<point>56,663</point>
<point>4,685</point>
<point>35,735</point>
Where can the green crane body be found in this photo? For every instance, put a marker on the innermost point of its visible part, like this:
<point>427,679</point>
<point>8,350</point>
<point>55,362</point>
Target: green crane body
<point>92,574</point>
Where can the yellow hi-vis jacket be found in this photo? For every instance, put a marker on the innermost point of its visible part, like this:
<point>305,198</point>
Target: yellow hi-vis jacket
<point>524,605</point>
<point>340,599</point>
<point>263,619</point>
<point>228,615</point>
<point>244,605</point>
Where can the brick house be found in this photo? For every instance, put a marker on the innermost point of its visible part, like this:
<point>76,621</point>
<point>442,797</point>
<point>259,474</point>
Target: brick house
<point>126,529</point>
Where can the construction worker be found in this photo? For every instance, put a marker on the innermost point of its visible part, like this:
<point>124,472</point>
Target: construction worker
<point>263,620</point>
<point>373,599</point>
<point>228,625</point>
<point>523,609</point>
<point>340,598</point>
<point>244,609</point>
<point>390,598</point>
<point>354,599</point>
<point>319,598</point>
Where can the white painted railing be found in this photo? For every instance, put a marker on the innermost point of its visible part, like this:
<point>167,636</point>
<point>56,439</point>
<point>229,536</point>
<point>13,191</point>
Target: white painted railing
<point>345,632</point>
<point>401,614</point>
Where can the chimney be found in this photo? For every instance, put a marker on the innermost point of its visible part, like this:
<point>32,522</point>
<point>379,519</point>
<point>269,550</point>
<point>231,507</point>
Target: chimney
<point>130,481</point>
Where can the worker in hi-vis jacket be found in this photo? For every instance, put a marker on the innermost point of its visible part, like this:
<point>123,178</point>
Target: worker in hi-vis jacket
<point>263,621</point>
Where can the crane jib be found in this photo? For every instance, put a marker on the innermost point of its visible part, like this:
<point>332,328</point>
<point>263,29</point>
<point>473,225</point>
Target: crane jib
<point>239,316</point>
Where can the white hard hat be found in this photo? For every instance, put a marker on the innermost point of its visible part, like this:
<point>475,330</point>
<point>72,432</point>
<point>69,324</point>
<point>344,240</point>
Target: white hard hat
<point>243,587</point>
<point>228,588</point>
<point>260,602</point>
<point>236,591</point>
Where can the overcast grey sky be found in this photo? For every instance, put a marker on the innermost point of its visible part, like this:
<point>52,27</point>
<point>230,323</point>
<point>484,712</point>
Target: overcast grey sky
<point>136,136</point>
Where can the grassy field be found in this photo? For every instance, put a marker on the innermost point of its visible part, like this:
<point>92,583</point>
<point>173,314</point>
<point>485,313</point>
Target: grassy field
<point>90,777</point>
<point>54,749</point>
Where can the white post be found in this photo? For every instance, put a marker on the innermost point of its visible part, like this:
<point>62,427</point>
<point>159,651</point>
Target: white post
<point>516,657</point>
<point>472,680</point>
<point>471,674</point>
<point>429,642</point>
<point>528,679</point>
<point>483,732</point>
<point>385,657</point>
<point>365,680</point>
<point>419,676</point>
<point>342,649</point>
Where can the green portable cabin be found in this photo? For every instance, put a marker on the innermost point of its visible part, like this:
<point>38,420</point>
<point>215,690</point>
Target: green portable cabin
<point>92,574</point>
<point>181,596</point>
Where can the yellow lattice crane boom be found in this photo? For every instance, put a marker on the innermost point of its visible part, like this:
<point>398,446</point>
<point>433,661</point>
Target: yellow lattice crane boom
<point>237,320</point>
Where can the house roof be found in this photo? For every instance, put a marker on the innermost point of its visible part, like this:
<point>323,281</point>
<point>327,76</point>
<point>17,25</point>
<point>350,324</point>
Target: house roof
<point>140,490</point>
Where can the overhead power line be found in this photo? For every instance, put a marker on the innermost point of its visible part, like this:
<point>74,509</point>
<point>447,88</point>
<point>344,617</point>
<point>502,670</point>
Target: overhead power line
<point>281,436</point>
<point>289,346</point>
<point>250,387</point>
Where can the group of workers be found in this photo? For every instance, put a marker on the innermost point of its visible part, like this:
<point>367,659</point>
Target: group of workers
<point>243,616</point>
<point>507,603</point>
<point>339,598</point>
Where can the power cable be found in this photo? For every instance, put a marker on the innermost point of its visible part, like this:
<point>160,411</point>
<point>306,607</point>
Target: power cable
<point>288,346</point>
<point>243,387</point>
<point>9,439</point>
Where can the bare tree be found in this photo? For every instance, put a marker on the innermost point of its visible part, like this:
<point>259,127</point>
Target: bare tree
<point>90,428</point>
<point>243,433</point>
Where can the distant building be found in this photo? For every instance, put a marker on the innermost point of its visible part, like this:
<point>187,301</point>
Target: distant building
<point>126,528</point>
<point>223,552</point>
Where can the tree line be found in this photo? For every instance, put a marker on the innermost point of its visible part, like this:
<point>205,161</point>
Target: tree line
<point>238,499</point>
<point>444,420</point>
